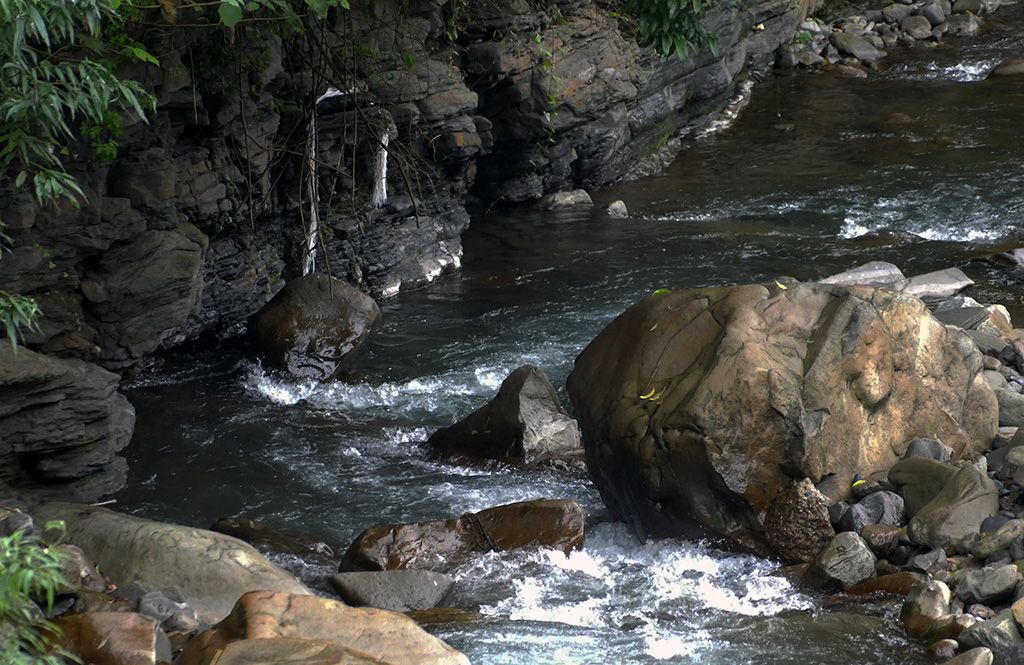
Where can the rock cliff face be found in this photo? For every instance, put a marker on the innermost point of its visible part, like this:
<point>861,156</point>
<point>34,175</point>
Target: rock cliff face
<point>202,216</point>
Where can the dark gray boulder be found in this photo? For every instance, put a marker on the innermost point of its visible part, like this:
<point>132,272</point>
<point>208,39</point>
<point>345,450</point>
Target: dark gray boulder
<point>988,585</point>
<point>397,590</point>
<point>524,423</point>
<point>845,561</point>
<point>1000,634</point>
<point>876,508</point>
<point>797,523</point>
<point>314,326</point>
<point>62,423</point>
<point>929,448</point>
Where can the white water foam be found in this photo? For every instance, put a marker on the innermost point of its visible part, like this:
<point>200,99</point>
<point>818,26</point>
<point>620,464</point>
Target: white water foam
<point>664,588</point>
<point>965,72</point>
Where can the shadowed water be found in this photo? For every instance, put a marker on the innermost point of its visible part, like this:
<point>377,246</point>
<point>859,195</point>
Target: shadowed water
<point>816,176</point>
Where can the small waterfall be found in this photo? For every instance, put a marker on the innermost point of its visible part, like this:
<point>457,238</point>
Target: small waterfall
<point>380,178</point>
<point>312,184</point>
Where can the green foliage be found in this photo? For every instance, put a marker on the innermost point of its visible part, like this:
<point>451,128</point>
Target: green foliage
<point>233,12</point>
<point>673,27</point>
<point>56,70</point>
<point>30,572</point>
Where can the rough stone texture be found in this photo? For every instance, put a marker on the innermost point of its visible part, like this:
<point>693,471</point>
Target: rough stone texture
<point>873,273</point>
<point>314,326</point>
<point>977,656</point>
<point>876,508</point>
<point>1001,539</point>
<point>858,47</point>
<point>1000,633</point>
<point>925,606</point>
<point>797,525</point>
<point>919,480</point>
<point>397,590</point>
<point>929,448</point>
<point>698,406</point>
<point>290,620</point>
<point>845,561</point>
<point>209,570</point>
<point>953,518</point>
<point>62,422</point>
<point>441,545</point>
<point>524,423</point>
<point>941,283</point>
<point>1011,408</point>
<point>114,638</point>
<point>988,585</point>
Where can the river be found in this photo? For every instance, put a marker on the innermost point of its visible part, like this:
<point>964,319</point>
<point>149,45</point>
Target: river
<point>816,176</point>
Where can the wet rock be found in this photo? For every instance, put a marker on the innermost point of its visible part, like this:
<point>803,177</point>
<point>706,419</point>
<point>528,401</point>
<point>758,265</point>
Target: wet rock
<point>444,544</point>
<point>953,518</point>
<point>900,583</point>
<point>926,607</point>
<point>991,584</point>
<point>797,524</point>
<point>700,422</point>
<point>158,606</point>
<point>262,535</point>
<point>266,627</point>
<point>845,561</point>
<point>877,508</point>
<point>62,423</point>
<point>963,24</point>
<point>1001,539</point>
<point>919,480</point>
<point>929,448</point>
<point>618,210</point>
<point>209,570</point>
<point>573,199</point>
<point>979,656</point>
<point>917,27</point>
<point>114,638</point>
<point>858,47</point>
<point>1008,68</point>
<point>1000,633</point>
<point>397,590</point>
<point>524,423</point>
<point>314,326</point>
<point>941,283</point>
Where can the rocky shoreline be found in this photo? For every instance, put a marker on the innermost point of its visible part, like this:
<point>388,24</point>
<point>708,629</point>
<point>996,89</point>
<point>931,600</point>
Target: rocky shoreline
<point>927,507</point>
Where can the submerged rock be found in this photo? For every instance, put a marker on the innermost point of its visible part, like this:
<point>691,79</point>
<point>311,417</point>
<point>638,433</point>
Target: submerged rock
<point>314,326</point>
<point>262,535</point>
<point>440,545</point>
<point>1013,67</point>
<point>571,199</point>
<point>524,423</point>
<point>618,210</point>
<point>267,627</point>
<point>698,406</point>
<point>209,570</point>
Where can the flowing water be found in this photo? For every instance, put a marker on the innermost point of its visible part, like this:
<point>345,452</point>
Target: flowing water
<point>816,176</point>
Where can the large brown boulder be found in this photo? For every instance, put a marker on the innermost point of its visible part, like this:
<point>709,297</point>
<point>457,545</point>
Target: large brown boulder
<point>267,627</point>
<point>114,638</point>
<point>314,326</point>
<point>699,407</point>
<point>524,423</point>
<point>444,544</point>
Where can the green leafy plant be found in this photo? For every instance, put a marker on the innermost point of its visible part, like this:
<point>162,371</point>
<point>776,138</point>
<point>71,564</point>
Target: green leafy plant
<point>30,573</point>
<point>673,27</point>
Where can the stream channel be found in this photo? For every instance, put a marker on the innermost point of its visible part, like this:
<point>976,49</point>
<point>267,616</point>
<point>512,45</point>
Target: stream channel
<point>814,177</point>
